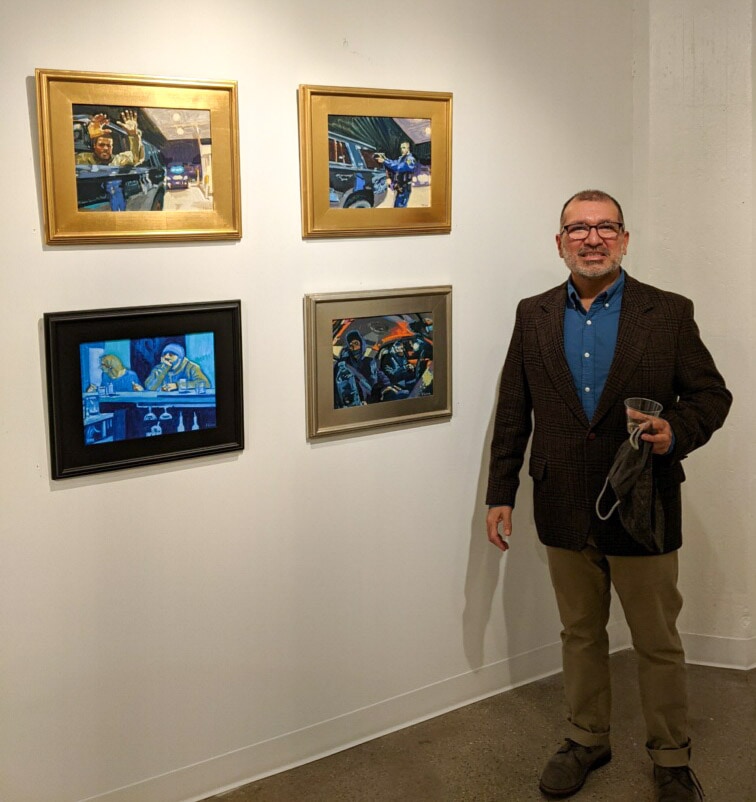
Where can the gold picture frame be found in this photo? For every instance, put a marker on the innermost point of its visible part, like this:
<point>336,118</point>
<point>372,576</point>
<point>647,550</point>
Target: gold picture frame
<point>345,191</point>
<point>183,141</point>
<point>399,370</point>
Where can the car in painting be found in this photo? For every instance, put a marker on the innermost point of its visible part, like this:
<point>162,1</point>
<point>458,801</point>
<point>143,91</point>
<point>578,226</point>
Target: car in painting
<point>177,177</point>
<point>142,186</point>
<point>356,179</point>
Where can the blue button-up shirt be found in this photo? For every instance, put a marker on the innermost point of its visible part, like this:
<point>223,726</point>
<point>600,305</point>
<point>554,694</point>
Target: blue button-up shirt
<point>590,337</point>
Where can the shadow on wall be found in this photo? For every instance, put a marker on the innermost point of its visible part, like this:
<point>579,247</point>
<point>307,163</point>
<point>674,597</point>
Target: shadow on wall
<point>530,616</point>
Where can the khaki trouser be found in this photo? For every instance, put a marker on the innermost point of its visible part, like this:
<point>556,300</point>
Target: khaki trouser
<point>647,589</point>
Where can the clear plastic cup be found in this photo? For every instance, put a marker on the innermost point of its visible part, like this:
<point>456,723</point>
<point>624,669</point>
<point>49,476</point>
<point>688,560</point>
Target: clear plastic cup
<point>640,410</point>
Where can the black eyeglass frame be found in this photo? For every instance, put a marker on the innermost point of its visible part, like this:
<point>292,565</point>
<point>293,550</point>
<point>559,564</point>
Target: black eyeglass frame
<point>584,226</point>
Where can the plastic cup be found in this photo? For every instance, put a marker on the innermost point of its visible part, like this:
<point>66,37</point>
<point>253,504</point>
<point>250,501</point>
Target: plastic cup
<point>640,410</point>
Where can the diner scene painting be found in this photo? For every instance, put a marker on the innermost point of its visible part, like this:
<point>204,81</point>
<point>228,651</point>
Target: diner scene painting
<point>379,162</point>
<point>382,358</point>
<point>142,159</point>
<point>147,387</point>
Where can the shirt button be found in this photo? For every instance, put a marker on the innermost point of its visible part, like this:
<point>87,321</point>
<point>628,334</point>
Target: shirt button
<point>586,355</point>
<point>587,389</point>
<point>588,322</point>
<point>606,306</point>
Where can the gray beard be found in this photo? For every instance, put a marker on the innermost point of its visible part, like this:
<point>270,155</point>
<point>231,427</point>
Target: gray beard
<point>586,273</point>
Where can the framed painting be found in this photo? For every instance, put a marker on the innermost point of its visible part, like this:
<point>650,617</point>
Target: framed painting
<point>130,158</point>
<point>377,359</point>
<point>374,161</point>
<point>140,385</point>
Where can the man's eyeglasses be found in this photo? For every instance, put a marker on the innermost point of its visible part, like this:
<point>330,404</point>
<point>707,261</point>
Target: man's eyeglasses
<point>579,231</point>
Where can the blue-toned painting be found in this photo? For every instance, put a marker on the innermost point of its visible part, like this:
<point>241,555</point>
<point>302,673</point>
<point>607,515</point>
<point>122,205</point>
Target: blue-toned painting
<point>147,387</point>
<point>386,358</point>
<point>379,162</point>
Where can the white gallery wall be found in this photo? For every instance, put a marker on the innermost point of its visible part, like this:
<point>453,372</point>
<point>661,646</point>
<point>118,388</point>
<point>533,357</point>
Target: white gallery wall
<point>171,630</point>
<point>694,212</point>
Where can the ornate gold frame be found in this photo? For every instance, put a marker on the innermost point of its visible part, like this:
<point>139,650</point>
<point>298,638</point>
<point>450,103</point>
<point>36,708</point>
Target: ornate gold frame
<point>318,218</point>
<point>320,310</point>
<point>57,90</point>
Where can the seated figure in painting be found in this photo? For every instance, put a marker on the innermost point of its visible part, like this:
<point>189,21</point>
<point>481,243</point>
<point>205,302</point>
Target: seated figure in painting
<point>173,368</point>
<point>397,366</point>
<point>116,377</point>
<point>357,378</point>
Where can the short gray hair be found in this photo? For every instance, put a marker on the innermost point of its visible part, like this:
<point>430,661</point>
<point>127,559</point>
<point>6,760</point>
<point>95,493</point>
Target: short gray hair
<point>593,195</point>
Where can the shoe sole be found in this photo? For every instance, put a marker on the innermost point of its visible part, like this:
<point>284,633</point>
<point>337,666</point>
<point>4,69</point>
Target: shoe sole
<point>565,792</point>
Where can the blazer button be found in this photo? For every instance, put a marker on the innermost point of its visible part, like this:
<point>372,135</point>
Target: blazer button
<point>591,435</point>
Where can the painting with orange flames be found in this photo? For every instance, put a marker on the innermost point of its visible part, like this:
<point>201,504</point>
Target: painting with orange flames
<point>379,359</point>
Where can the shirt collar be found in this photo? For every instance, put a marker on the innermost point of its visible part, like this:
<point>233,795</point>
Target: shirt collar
<point>605,297</point>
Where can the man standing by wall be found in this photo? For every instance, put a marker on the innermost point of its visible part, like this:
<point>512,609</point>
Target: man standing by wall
<point>576,353</point>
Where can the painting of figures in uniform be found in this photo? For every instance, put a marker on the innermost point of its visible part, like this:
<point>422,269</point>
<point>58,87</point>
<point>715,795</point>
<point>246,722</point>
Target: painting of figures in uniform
<point>379,359</point>
<point>139,385</point>
<point>379,162</point>
<point>134,158</point>
<point>142,159</point>
<point>148,387</point>
<point>374,162</point>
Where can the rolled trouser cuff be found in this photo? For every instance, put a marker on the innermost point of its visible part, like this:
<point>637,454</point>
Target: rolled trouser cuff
<point>585,738</point>
<point>670,758</point>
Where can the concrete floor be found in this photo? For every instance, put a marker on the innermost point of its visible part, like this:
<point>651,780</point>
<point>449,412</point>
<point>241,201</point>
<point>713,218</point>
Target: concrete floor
<point>494,750</point>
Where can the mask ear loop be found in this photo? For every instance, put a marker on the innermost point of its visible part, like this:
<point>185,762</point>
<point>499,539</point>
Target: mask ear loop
<point>598,503</point>
<point>634,439</point>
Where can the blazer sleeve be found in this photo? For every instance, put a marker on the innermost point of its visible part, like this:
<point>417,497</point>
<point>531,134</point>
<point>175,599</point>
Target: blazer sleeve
<point>703,399</point>
<point>512,425</point>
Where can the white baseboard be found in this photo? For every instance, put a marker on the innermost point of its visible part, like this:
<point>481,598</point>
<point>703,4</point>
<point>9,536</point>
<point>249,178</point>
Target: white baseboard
<point>710,650</point>
<point>253,762</point>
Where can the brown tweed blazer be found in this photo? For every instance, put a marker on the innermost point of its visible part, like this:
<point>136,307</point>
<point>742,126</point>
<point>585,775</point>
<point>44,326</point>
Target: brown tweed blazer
<point>659,354</point>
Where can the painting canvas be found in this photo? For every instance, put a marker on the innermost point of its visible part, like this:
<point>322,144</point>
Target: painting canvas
<point>379,162</point>
<point>380,359</point>
<point>141,385</point>
<point>377,358</point>
<point>147,387</point>
<point>142,159</point>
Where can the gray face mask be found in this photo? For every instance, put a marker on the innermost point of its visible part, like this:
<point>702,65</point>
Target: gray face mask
<point>632,479</point>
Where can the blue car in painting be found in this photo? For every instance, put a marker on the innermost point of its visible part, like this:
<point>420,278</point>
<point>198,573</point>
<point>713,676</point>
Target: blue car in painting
<point>356,179</point>
<point>177,178</point>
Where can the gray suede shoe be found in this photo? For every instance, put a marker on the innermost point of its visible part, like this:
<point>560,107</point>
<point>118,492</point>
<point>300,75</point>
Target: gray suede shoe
<point>565,773</point>
<point>677,784</point>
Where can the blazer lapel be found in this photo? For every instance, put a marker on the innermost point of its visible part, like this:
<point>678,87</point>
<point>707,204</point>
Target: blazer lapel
<point>550,333</point>
<point>634,326</point>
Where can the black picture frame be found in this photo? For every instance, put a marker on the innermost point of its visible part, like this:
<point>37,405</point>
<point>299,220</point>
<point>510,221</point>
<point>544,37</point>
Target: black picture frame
<point>82,442</point>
